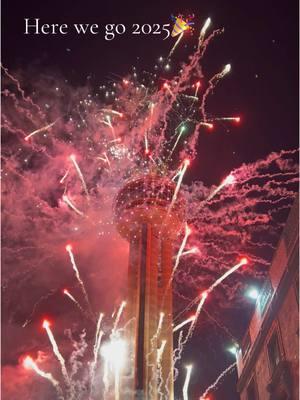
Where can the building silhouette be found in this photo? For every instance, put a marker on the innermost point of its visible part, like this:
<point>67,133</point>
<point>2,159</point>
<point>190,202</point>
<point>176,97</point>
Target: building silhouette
<point>268,360</point>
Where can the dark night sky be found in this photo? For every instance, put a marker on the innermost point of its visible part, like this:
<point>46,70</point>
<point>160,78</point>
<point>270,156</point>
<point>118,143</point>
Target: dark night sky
<point>260,42</point>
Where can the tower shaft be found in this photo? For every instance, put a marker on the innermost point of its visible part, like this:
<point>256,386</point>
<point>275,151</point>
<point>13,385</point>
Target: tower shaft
<point>149,295</point>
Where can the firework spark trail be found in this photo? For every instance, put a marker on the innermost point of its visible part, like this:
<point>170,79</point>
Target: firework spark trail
<point>30,364</point>
<point>179,254</point>
<point>203,32</point>
<point>227,181</point>
<point>118,316</point>
<point>96,356</point>
<point>182,324</point>
<point>211,85</point>
<point>71,205</point>
<point>186,163</point>
<point>177,354</point>
<point>80,281</point>
<point>176,44</point>
<point>193,250</point>
<point>106,110</point>
<point>109,123</point>
<point>160,351</point>
<point>73,159</point>
<point>214,385</point>
<point>198,311</point>
<point>182,130</point>
<point>65,176</point>
<point>46,326</point>
<point>204,295</point>
<point>153,347</point>
<point>45,297</point>
<point>20,90</point>
<point>221,326</point>
<point>44,128</point>
<point>187,382</point>
<point>72,298</point>
<point>187,233</point>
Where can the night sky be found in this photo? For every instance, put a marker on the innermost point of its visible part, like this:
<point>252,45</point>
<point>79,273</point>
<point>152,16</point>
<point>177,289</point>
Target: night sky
<point>260,42</point>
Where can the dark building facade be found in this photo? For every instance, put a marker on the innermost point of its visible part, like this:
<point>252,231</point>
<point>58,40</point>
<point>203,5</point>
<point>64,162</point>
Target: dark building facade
<point>268,360</point>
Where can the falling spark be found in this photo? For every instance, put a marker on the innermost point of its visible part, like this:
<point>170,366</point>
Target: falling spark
<point>65,175</point>
<point>203,32</point>
<point>46,326</point>
<point>44,128</point>
<point>106,110</point>
<point>182,324</point>
<point>71,205</point>
<point>182,129</point>
<point>69,250</point>
<point>198,311</point>
<point>176,44</point>
<point>167,86</point>
<point>187,382</point>
<point>28,363</point>
<point>158,367</point>
<point>96,348</point>
<point>243,261</point>
<point>214,385</point>
<point>227,181</point>
<point>160,351</point>
<point>193,250</point>
<point>197,88</point>
<point>186,163</point>
<point>73,159</point>
<point>207,124</point>
<point>119,313</point>
<point>182,247</point>
<point>68,294</point>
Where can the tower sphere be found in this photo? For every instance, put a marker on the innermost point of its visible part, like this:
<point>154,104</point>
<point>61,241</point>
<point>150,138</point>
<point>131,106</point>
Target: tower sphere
<point>148,199</point>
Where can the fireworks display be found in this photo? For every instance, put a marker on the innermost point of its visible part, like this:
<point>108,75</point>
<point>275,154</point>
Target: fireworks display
<point>66,154</point>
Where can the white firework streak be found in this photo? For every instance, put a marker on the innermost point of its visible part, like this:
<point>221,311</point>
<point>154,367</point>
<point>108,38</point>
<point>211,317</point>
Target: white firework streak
<point>44,128</point>
<point>182,324</point>
<point>78,170</point>
<point>71,205</point>
<point>203,32</point>
<point>57,353</point>
<point>72,298</point>
<point>29,363</point>
<point>105,378</point>
<point>65,175</point>
<point>186,163</point>
<point>182,130</point>
<point>227,181</point>
<point>106,110</point>
<point>187,382</point>
<point>176,44</point>
<point>96,356</point>
<point>119,313</point>
<point>214,385</point>
<point>69,250</point>
<point>198,311</point>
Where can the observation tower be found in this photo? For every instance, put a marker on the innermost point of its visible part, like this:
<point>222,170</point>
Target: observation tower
<point>148,218</point>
